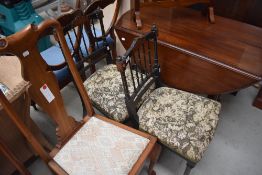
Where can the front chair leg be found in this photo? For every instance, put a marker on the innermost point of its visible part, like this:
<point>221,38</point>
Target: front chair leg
<point>154,158</point>
<point>189,167</point>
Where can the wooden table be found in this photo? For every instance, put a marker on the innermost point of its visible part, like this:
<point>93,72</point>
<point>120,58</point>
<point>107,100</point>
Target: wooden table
<point>197,56</point>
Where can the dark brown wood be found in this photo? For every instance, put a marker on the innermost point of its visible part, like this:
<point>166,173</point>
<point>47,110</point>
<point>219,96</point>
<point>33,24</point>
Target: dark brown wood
<point>196,56</point>
<point>258,100</point>
<point>4,150</point>
<point>36,71</point>
<point>10,75</point>
<point>248,11</point>
<point>171,4</point>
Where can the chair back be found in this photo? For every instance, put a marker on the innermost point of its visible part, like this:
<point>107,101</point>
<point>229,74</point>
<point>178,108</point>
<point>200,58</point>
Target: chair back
<point>44,89</point>
<point>86,37</point>
<point>140,65</point>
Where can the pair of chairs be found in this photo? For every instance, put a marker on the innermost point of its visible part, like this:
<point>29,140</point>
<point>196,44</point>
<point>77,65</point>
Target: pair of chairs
<point>95,145</point>
<point>131,90</point>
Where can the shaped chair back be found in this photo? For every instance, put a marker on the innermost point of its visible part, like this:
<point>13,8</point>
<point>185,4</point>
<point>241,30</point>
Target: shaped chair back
<point>44,89</point>
<point>142,61</point>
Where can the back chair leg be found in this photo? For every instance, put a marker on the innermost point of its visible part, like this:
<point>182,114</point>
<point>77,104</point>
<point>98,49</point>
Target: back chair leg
<point>34,105</point>
<point>114,53</point>
<point>189,167</point>
<point>154,158</point>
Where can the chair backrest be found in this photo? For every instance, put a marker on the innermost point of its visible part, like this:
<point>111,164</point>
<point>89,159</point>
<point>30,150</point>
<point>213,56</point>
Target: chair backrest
<point>140,64</point>
<point>44,89</point>
<point>86,37</point>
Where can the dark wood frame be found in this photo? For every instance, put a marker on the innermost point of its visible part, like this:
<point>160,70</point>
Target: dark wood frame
<point>165,3</point>
<point>38,73</point>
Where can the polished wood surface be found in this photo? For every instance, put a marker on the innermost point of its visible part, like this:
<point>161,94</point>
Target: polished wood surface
<point>208,10</point>
<point>197,56</point>
<point>248,11</point>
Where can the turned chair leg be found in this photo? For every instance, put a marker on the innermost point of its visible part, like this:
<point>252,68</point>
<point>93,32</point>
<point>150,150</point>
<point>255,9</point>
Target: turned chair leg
<point>154,158</point>
<point>189,167</point>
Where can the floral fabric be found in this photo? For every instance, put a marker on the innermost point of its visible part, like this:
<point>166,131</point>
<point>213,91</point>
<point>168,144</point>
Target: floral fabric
<point>100,148</point>
<point>182,121</point>
<point>105,89</point>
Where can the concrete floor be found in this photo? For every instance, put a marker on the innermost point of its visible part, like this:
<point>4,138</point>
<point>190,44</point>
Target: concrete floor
<point>235,150</point>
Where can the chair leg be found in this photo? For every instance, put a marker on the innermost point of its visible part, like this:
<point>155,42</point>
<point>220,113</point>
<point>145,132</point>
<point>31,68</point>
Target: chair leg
<point>211,15</point>
<point>34,105</point>
<point>114,53</point>
<point>154,158</point>
<point>189,167</point>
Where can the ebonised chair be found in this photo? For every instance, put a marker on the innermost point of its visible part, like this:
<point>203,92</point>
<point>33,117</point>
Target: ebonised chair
<point>182,121</point>
<point>81,145</point>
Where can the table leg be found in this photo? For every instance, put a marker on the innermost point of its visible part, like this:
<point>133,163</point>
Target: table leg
<point>258,100</point>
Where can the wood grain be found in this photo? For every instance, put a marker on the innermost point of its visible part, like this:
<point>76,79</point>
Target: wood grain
<point>199,57</point>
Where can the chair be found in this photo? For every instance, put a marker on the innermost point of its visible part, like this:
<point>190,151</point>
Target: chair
<point>90,8</point>
<point>73,28</point>
<point>171,4</point>
<point>182,121</point>
<point>107,74</point>
<point>54,57</point>
<point>81,145</point>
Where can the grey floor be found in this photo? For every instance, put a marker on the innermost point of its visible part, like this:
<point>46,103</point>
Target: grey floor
<point>235,150</point>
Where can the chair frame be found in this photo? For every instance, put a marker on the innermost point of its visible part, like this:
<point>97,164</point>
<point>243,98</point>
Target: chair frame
<point>38,73</point>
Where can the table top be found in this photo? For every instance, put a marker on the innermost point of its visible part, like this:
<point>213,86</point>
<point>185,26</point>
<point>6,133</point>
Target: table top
<point>228,43</point>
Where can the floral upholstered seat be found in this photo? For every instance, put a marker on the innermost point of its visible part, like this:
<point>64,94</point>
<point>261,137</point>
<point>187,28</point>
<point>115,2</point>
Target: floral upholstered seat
<point>101,148</point>
<point>182,121</point>
<point>105,89</point>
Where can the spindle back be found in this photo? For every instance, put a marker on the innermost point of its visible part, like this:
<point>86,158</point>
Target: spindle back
<point>140,63</point>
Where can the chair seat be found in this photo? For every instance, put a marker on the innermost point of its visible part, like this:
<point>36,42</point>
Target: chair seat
<point>106,92</point>
<point>182,121</point>
<point>101,148</point>
<point>109,40</point>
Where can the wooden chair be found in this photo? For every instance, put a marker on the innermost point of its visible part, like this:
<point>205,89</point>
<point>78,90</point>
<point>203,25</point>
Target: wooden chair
<point>171,4</point>
<point>80,144</point>
<point>95,89</point>
<point>182,121</point>
<point>89,7</point>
